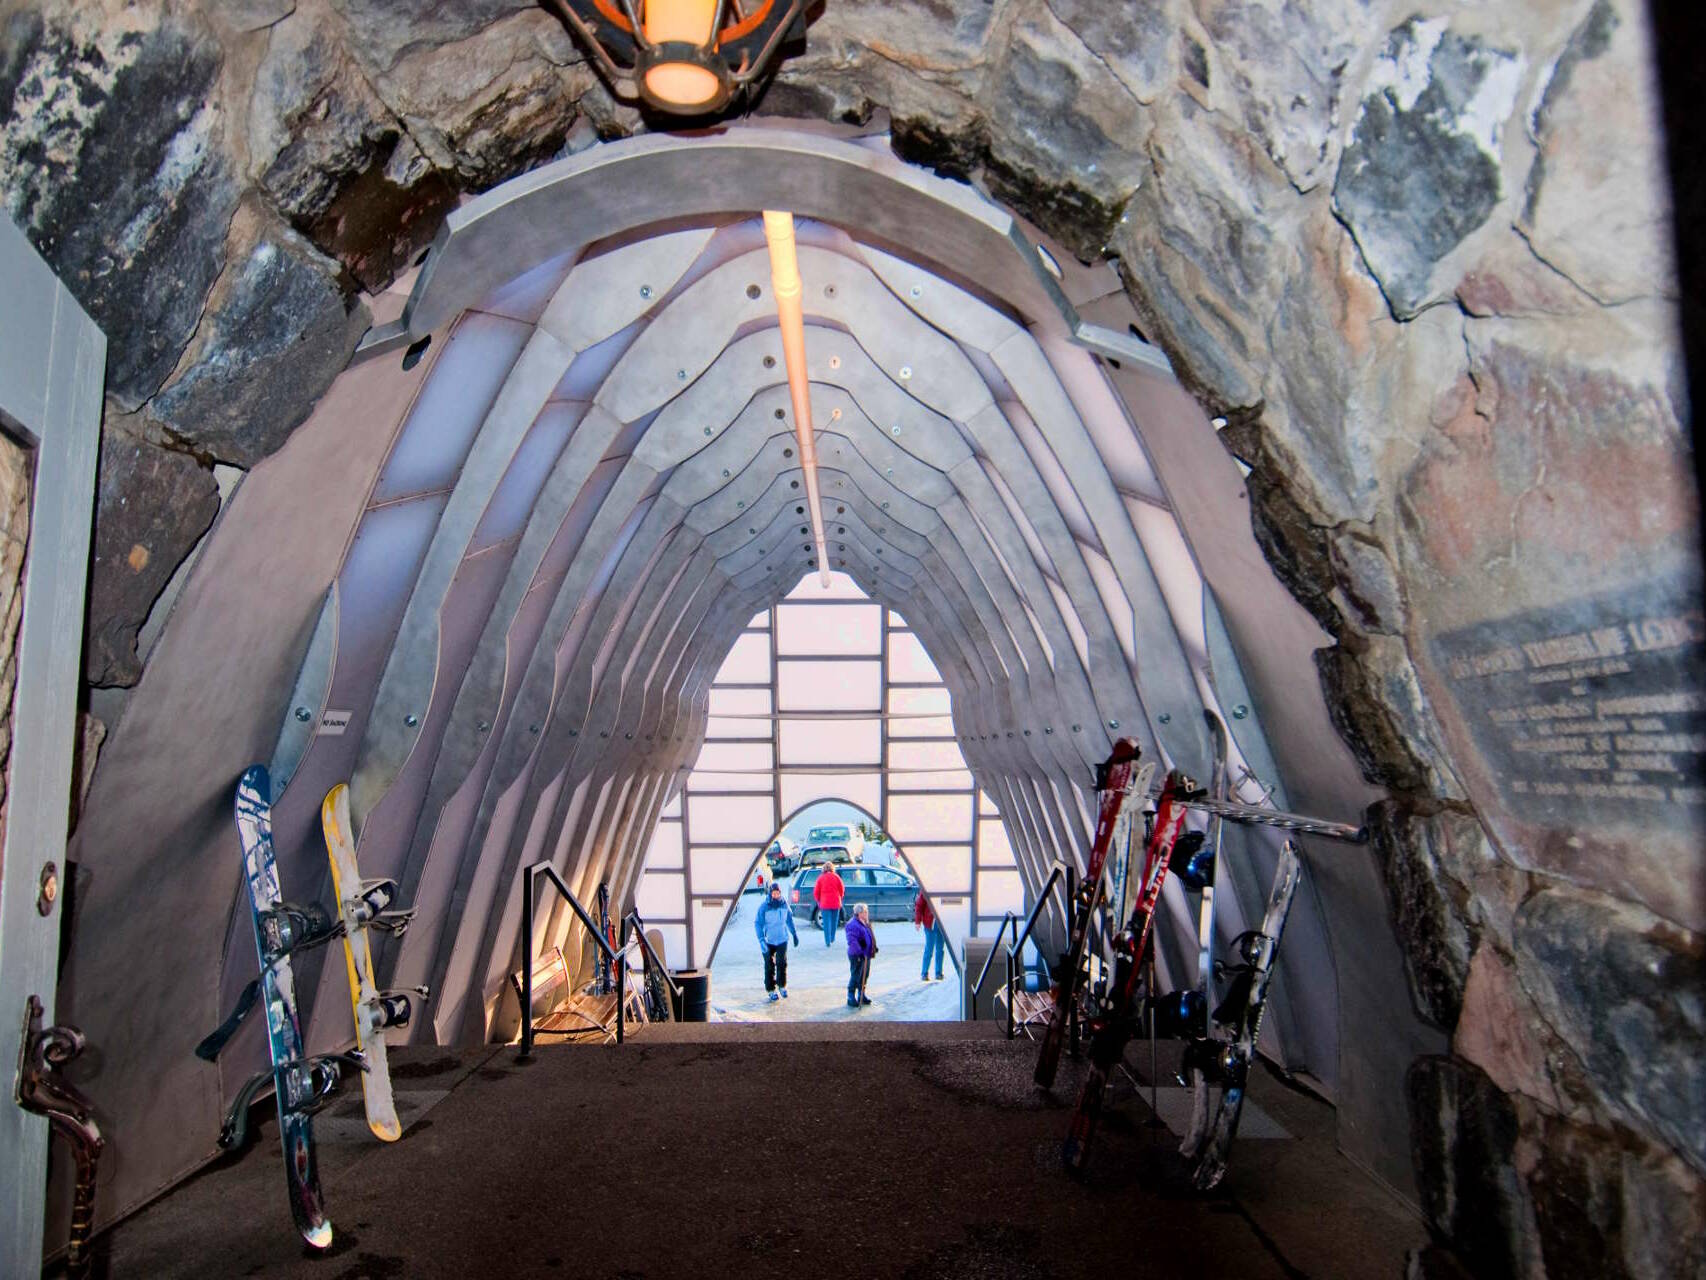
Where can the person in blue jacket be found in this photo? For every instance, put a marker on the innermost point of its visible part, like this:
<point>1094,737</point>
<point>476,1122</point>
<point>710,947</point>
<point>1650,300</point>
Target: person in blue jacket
<point>775,924</point>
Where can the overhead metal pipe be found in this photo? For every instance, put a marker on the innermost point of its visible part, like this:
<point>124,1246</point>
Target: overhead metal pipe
<point>790,316</point>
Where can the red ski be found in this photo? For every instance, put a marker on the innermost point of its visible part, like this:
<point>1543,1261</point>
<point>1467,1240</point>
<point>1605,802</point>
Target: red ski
<point>1113,785</point>
<point>1114,1023</point>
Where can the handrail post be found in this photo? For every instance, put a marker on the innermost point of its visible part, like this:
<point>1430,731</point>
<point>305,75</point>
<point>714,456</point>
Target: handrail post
<point>1012,1030</point>
<point>526,965</point>
<point>621,965</point>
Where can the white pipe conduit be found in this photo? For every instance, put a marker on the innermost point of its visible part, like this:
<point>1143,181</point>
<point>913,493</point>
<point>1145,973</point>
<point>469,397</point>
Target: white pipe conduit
<point>785,280</point>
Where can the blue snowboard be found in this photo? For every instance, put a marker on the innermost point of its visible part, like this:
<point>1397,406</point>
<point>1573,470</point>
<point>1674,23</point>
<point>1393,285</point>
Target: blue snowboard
<point>293,1077</point>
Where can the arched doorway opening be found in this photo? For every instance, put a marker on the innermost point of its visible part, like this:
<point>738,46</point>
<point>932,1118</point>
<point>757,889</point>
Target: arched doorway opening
<point>875,871</point>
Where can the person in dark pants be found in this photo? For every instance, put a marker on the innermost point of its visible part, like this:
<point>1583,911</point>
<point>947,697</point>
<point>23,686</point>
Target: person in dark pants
<point>934,943</point>
<point>861,946</point>
<point>828,893</point>
<point>775,924</point>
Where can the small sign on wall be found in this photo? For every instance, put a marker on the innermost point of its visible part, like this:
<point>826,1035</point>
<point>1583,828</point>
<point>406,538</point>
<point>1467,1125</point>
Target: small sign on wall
<point>333,724</point>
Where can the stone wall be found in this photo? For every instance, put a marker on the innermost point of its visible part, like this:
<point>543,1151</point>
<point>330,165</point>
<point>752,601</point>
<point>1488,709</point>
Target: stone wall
<point>1417,255</point>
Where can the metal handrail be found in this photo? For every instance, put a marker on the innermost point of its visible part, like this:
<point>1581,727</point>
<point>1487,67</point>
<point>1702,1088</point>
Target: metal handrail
<point>1058,871</point>
<point>977,987</point>
<point>528,879</point>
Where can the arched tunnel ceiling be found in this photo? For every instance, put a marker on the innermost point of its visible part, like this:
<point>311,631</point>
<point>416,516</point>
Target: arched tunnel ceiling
<point>541,542</point>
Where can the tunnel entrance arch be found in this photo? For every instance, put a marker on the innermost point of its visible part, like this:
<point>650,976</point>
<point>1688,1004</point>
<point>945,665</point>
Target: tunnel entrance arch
<point>954,942</point>
<point>827,695</point>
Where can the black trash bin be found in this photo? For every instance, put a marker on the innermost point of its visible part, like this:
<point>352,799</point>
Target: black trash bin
<point>694,1002</point>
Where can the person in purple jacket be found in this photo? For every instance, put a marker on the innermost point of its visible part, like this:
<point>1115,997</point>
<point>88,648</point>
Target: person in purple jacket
<point>861,946</point>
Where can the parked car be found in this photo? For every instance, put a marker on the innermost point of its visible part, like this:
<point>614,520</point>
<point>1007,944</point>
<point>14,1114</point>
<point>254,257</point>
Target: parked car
<point>783,855</point>
<point>848,837</point>
<point>889,893</point>
<point>818,854</point>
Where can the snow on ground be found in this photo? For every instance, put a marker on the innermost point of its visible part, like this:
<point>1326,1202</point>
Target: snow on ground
<point>817,977</point>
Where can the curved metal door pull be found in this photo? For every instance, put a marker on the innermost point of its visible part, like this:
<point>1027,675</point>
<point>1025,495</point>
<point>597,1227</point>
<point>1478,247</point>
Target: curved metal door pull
<point>40,1088</point>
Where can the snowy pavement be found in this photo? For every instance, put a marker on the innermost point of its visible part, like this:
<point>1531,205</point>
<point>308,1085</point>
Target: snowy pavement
<point>817,977</point>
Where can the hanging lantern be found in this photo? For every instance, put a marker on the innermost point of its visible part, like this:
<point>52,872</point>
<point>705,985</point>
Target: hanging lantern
<point>686,57</point>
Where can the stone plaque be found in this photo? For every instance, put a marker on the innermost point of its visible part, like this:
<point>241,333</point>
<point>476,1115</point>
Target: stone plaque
<point>1591,714</point>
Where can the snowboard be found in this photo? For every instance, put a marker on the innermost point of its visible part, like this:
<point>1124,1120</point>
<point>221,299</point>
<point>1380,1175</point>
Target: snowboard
<point>1115,1020</point>
<point>360,909</point>
<point>1114,783</point>
<point>301,1086</point>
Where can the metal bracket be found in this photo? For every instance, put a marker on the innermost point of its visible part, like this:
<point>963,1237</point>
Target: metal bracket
<point>39,1088</point>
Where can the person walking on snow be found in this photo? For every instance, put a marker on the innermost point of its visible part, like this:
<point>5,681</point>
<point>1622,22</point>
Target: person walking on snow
<point>774,924</point>
<point>934,943</point>
<point>828,893</point>
<point>861,946</point>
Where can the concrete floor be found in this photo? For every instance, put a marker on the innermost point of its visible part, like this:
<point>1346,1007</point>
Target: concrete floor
<point>817,977</point>
<point>918,1151</point>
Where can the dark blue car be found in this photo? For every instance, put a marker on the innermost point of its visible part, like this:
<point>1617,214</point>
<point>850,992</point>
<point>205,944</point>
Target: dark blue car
<point>888,893</point>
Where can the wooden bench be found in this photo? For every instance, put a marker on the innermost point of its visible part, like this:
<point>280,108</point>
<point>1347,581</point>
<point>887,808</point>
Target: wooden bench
<point>559,1010</point>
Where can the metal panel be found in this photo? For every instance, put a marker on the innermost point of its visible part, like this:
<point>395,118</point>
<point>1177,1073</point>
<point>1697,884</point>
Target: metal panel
<point>52,363</point>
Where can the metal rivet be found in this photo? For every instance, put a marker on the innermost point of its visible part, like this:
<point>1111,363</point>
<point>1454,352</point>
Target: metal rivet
<point>1077,728</point>
<point>484,726</point>
<point>894,431</point>
<point>574,733</point>
<point>829,291</point>
<point>917,291</point>
<point>603,733</point>
<point>47,890</point>
<point>304,715</point>
<point>769,362</point>
<point>725,473</point>
<point>645,291</point>
<point>707,431</point>
<point>628,736</point>
<point>752,291</point>
<point>1165,718</point>
<point>740,505</point>
<point>1113,724</point>
<point>411,720</point>
<point>533,728</point>
<point>1027,733</point>
<point>835,362</point>
<point>793,484</point>
<point>1240,711</point>
<point>1048,729</point>
<point>681,375</point>
<point>905,372</point>
<point>885,506</point>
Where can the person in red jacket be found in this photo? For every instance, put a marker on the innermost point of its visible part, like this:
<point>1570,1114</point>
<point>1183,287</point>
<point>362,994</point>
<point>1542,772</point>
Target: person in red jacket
<point>934,943</point>
<point>828,893</point>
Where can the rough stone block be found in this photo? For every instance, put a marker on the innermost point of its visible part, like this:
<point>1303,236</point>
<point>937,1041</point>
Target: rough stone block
<point>1627,991</point>
<point>1422,168</point>
<point>278,330</point>
<point>112,162</point>
<point>152,506</point>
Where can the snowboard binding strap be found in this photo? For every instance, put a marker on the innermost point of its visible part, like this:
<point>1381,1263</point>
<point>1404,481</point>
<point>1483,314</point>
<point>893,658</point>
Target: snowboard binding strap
<point>323,1074</point>
<point>370,908</point>
<point>292,927</point>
